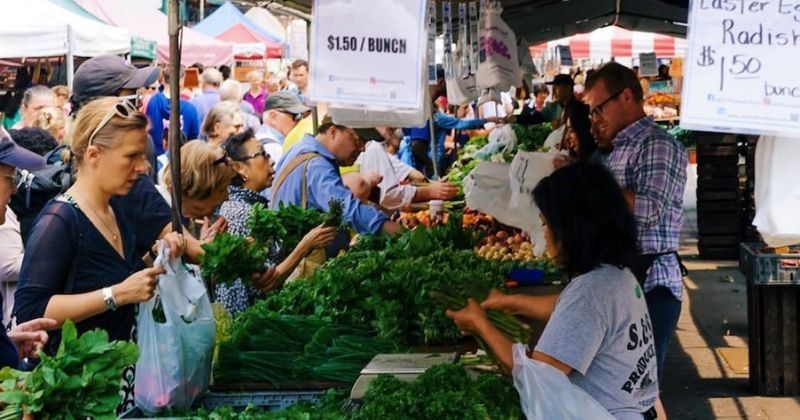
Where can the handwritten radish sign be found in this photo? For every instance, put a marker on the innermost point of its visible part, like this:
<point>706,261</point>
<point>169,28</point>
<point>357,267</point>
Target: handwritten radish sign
<point>741,67</point>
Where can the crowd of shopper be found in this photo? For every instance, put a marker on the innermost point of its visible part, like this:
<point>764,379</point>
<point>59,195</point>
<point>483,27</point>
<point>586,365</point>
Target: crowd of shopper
<point>611,211</point>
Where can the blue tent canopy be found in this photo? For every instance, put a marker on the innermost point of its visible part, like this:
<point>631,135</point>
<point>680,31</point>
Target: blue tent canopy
<point>227,16</point>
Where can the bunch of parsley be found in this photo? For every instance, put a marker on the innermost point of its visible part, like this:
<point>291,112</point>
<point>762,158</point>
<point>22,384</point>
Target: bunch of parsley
<point>80,381</point>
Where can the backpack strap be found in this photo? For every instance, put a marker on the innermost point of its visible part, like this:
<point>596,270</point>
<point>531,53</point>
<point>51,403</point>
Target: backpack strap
<point>290,167</point>
<point>76,233</point>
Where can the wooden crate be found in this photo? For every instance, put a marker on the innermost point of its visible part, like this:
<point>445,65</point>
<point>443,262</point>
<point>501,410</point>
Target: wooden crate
<point>772,315</point>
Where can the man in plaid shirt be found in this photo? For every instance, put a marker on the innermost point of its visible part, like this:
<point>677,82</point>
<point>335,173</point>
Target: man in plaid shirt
<point>650,166</point>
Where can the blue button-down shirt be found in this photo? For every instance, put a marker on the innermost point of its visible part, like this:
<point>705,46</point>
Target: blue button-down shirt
<point>324,182</point>
<point>204,102</point>
<point>650,162</point>
<point>443,124</point>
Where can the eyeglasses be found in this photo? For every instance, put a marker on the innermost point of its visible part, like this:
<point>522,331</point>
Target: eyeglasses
<point>263,153</point>
<point>17,178</point>
<point>122,109</point>
<point>598,110</point>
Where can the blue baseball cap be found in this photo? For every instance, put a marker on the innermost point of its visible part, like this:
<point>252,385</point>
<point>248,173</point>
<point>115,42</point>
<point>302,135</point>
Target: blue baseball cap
<point>11,154</point>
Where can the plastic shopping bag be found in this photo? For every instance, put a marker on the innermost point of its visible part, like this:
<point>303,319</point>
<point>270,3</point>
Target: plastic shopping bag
<point>777,191</point>
<point>547,394</point>
<point>176,333</point>
<point>500,139</point>
<point>498,67</point>
<point>460,90</point>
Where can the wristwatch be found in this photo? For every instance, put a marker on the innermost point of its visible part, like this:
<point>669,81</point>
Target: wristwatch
<point>108,298</point>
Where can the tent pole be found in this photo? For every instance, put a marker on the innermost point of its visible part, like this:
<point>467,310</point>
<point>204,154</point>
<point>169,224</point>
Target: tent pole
<point>174,112</point>
<point>70,58</point>
<point>202,10</point>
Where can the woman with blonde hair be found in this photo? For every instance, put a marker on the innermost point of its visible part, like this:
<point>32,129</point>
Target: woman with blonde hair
<point>52,120</point>
<point>205,176</point>
<point>104,224</point>
<point>224,120</point>
<point>84,257</point>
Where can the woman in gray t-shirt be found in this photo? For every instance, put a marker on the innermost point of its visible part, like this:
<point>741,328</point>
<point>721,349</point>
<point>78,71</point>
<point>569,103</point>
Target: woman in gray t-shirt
<point>598,329</point>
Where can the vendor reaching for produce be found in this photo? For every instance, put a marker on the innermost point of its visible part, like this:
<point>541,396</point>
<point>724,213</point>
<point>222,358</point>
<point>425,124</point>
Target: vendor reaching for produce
<point>254,173</point>
<point>553,112</point>
<point>442,124</point>
<point>308,176</point>
<point>598,330</point>
<point>396,189</point>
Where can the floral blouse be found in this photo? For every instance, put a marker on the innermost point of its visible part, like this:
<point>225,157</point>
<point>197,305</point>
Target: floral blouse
<point>239,295</point>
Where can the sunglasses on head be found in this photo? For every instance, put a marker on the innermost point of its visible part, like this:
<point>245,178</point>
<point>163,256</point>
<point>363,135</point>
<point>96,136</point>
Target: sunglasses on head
<point>222,159</point>
<point>122,109</point>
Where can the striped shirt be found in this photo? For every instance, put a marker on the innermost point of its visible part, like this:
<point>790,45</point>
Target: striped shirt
<point>650,162</point>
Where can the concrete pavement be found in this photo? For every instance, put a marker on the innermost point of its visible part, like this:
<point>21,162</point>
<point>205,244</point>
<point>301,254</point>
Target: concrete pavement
<point>706,368</point>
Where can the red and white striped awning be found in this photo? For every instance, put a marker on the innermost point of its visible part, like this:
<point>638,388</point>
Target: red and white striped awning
<point>613,41</point>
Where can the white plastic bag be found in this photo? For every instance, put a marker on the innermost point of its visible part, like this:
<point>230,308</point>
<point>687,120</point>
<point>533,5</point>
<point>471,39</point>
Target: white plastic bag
<point>500,139</point>
<point>174,367</point>
<point>499,66</point>
<point>547,394</point>
<point>554,139</point>
<point>527,169</point>
<point>460,90</point>
<point>777,191</point>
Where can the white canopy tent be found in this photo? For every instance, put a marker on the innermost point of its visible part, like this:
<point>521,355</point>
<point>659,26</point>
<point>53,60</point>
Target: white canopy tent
<point>263,18</point>
<point>39,28</point>
<point>23,34</point>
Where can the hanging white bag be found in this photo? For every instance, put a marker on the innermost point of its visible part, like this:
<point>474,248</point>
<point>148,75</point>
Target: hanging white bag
<point>547,394</point>
<point>777,192</point>
<point>175,334</point>
<point>498,64</point>
<point>460,90</point>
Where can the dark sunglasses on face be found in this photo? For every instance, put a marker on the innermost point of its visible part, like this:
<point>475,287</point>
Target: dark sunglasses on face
<point>295,117</point>
<point>598,110</point>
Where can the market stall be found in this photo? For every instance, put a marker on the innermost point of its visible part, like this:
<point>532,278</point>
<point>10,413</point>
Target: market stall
<point>141,48</point>
<point>38,29</point>
<point>228,24</point>
<point>149,23</point>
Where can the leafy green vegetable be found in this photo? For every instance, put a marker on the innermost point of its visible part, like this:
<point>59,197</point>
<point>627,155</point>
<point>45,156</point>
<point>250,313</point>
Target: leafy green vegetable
<point>286,226</point>
<point>329,407</point>
<point>265,225</point>
<point>442,392</point>
<point>229,257</point>
<point>385,283</point>
<point>335,215</point>
<point>687,137</point>
<point>278,349</point>
<point>531,138</point>
<point>80,381</point>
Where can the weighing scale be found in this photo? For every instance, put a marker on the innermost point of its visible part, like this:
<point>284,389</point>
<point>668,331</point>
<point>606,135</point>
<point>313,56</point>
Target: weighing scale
<point>405,367</point>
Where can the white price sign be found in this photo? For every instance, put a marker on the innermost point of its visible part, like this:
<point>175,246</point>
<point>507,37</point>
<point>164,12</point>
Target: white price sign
<point>368,52</point>
<point>741,67</point>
